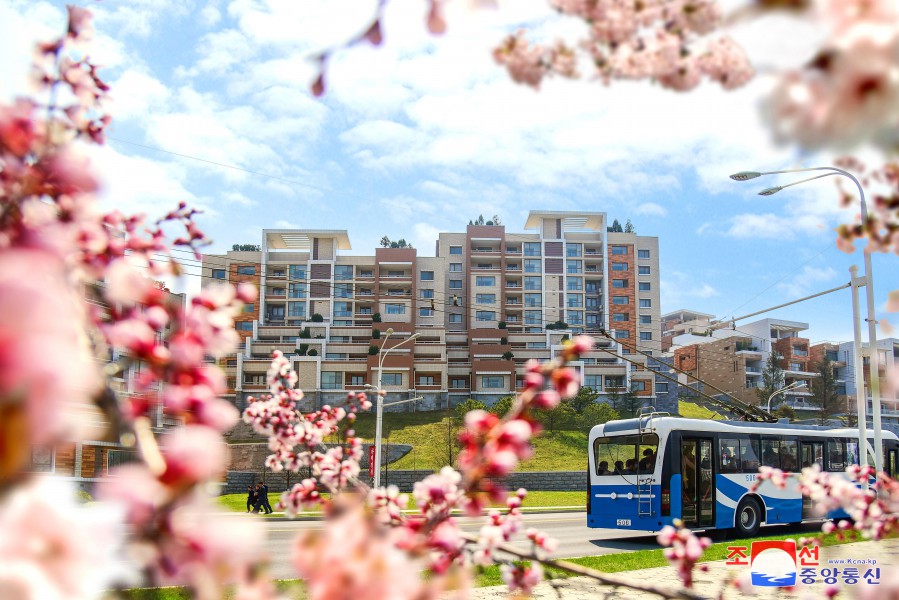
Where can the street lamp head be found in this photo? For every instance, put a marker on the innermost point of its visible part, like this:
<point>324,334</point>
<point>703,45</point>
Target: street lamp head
<point>745,175</point>
<point>414,335</point>
<point>770,191</point>
<point>389,331</point>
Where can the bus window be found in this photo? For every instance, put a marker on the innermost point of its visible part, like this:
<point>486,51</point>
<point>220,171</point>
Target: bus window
<point>749,454</point>
<point>852,452</point>
<point>836,455</point>
<point>892,468</point>
<point>729,455</point>
<point>771,452</point>
<point>625,454</point>
<point>789,451</point>
<point>812,453</point>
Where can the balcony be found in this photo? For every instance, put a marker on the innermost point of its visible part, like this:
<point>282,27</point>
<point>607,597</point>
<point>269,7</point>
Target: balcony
<point>800,352</point>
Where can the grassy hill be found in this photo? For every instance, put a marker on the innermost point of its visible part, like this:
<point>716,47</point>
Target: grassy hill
<point>427,433</point>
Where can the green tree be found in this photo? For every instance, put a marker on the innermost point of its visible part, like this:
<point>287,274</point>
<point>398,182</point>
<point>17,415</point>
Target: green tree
<point>586,396</point>
<point>785,411</point>
<point>629,227</point>
<point>469,405</point>
<point>772,380</point>
<point>824,389</point>
<point>385,242</point>
<point>630,403</point>
<point>615,227</point>
<point>613,399</point>
<point>245,248</point>
<point>502,406</point>
<point>496,220</point>
<point>594,414</point>
<point>559,418</point>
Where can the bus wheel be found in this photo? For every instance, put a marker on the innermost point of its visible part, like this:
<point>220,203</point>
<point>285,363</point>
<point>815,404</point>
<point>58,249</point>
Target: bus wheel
<point>749,517</point>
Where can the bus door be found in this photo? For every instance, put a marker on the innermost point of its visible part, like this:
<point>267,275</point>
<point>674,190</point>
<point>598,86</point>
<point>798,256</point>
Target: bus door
<point>810,453</point>
<point>698,498</point>
<point>891,464</point>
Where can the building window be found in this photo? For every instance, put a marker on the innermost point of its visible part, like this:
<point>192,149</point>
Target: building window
<point>366,273</point>
<point>594,382</point>
<point>425,312</point>
<point>395,309</point>
<point>296,290</point>
<point>426,294</point>
<point>343,309</point>
<point>645,286</point>
<point>638,386</point>
<point>532,248</point>
<point>491,382</point>
<point>425,380</point>
<point>486,315</point>
<point>642,253</point>
<point>662,388</point>
<point>455,267</point>
<point>485,280</point>
<point>645,336</point>
<point>343,290</point>
<point>458,384</point>
<point>455,318</point>
<point>643,270</point>
<point>357,379</point>
<point>536,345</point>
<point>485,299</point>
<point>244,270</point>
<point>575,301</point>
<point>248,308</point>
<point>575,318</point>
<point>619,249</point>
<point>533,317</point>
<point>533,300</point>
<point>531,266</point>
<point>343,272</point>
<point>619,283</point>
<point>427,275</point>
<point>532,283</point>
<point>621,317</point>
<point>244,326</point>
<point>455,284</point>
<point>620,300</point>
<point>622,334</point>
<point>573,250</point>
<point>392,379</point>
<point>615,381</point>
<point>573,267</point>
<point>297,271</point>
<point>645,319</point>
<point>218,273</point>
<point>575,284</point>
<point>331,380</point>
<point>619,266</point>
<point>645,303</point>
<point>296,309</point>
<point>455,249</point>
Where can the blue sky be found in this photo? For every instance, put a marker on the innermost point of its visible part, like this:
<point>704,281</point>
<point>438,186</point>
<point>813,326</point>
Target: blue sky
<point>422,134</point>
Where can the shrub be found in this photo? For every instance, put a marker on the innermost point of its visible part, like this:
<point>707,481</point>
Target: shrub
<point>503,341</point>
<point>306,334</point>
<point>502,325</point>
<point>317,318</point>
<point>312,352</point>
<point>376,318</point>
<point>468,406</point>
<point>372,350</point>
<point>508,356</point>
<point>502,405</point>
<point>375,334</point>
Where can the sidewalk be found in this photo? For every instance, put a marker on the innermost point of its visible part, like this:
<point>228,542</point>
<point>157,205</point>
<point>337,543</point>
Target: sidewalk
<point>316,515</point>
<point>709,583</point>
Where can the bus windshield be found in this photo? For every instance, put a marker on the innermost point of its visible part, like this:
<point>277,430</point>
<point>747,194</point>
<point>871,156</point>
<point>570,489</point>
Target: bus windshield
<point>626,454</point>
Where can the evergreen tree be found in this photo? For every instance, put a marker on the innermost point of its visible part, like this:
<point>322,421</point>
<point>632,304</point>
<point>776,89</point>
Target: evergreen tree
<point>824,389</point>
<point>385,242</point>
<point>773,380</point>
<point>615,227</point>
<point>496,220</point>
<point>560,417</point>
<point>594,414</point>
<point>585,398</point>
<point>630,403</point>
<point>629,227</point>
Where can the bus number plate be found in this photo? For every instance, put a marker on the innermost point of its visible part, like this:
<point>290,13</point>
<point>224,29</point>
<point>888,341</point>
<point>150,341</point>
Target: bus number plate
<point>623,522</point>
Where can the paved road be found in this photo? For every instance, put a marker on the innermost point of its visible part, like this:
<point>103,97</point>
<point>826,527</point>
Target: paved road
<point>575,538</point>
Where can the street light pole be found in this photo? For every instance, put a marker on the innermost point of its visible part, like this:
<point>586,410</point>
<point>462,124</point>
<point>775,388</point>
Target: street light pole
<point>868,282</point>
<point>379,400</point>
<point>792,386</point>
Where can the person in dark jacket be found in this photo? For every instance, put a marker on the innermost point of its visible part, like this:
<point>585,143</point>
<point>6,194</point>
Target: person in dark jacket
<point>252,497</point>
<point>262,491</point>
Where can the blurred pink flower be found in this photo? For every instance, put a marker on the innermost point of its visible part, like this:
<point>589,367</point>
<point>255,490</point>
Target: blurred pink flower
<point>193,454</point>
<point>40,316</point>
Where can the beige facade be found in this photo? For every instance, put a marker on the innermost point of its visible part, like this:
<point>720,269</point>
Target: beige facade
<point>481,308</point>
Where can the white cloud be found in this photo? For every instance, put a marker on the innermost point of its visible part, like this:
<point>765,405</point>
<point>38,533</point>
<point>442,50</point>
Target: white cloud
<point>424,238</point>
<point>135,94</point>
<point>705,291</point>
<point>802,284</point>
<point>651,209</point>
<point>210,15</point>
<point>284,224</point>
<point>761,226</point>
<point>682,290</point>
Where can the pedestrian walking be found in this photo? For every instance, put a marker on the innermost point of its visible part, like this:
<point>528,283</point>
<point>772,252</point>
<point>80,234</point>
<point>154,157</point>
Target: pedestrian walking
<point>251,497</point>
<point>262,490</point>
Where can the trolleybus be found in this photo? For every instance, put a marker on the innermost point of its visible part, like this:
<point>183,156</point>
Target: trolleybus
<point>644,473</point>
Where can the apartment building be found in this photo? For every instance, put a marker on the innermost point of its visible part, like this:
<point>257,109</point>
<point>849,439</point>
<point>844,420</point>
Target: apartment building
<point>888,362</point>
<point>734,360</point>
<point>485,304</point>
<point>682,321</point>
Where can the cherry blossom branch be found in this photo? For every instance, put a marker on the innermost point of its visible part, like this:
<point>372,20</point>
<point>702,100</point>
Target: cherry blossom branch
<point>598,576</point>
